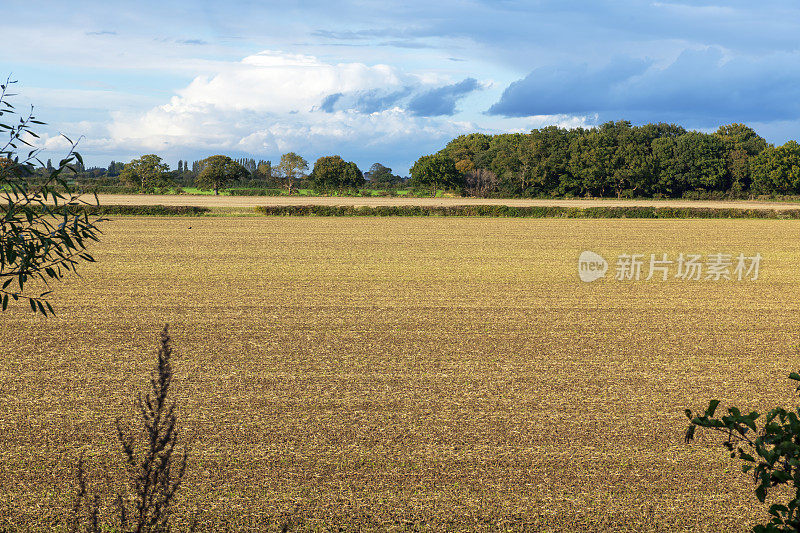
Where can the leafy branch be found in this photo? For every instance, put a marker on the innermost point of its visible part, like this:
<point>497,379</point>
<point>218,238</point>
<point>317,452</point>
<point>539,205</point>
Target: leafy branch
<point>44,230</point>
<point>771,453</point>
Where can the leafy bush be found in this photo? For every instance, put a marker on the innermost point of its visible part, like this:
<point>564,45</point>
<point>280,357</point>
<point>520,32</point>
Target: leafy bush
<point>524,212</point>
<point>140,210</point>
<point>771,453</point>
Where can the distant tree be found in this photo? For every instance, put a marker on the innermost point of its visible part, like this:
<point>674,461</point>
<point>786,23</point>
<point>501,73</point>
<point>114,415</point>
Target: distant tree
<point>437,170</point>
<point>546,158</point>
<point>777,170</point>
<point>742,144</point>
<point>333,172</point>
<point>292,167</point>
<point>218,171</point>
<point>145,172</point>
<point>379,174</point>
<point>465,149</point>
<point>264,170</point>
<point>250,165</point>
<point>688,162</point>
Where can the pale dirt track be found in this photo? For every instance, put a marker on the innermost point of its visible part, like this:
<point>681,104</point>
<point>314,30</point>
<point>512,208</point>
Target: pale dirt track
<point>253,201</point>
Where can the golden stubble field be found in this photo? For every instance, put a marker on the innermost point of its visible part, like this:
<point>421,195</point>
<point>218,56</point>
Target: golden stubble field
<point>406,373</point>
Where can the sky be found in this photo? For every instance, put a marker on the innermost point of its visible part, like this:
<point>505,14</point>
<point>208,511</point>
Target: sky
<point>388,81</point>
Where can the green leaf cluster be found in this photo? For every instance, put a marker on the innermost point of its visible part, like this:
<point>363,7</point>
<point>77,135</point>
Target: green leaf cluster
<point>769,450</point>
<point>44,231</point>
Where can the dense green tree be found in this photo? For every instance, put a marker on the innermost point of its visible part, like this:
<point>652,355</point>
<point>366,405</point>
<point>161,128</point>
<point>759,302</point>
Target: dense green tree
<point>777,170</point>
<point>436,171</point>
<point>379,174</point>
<point>218,171</point>
<point>333,172</point>
<point>693,161</point>
<point>547,159</point>
<point>292,167</point>
<point>742,144</point>
<point>465,148</point>
<point>145,172</point>
<point>612,159</point>
<point>264,170</point>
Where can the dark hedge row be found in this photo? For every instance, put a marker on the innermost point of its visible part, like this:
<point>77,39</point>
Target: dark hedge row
<point>145,210</point>
<point>524,212</point>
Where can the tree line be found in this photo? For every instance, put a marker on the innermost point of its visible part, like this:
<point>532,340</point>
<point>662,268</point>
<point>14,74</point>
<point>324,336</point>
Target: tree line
<point>149,173</point>
<point>615,159</point>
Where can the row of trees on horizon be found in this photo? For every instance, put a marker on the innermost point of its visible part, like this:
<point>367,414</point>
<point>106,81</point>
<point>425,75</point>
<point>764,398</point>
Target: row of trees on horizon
<point>616,159</point>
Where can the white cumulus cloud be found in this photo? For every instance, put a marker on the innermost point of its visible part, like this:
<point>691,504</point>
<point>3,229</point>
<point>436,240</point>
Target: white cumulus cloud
<point>270,103</point>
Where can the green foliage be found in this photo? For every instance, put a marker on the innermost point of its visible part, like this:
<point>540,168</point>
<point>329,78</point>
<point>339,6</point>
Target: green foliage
<point>291,167</point>
<point>264,170</point>
<point>379,175</point>
<point>522,212</point>
<point>777,169</point>
<point>742,144</point>
<point>435,171</point>
<point>145,172</point>
<point>143,210</point>
<point>465,148</point>
<point>333,172</point>
<point>771,453</point>
<point>44,232</point>
<point>688,162</point>
<point>218,171</point>
<point>613,159</point>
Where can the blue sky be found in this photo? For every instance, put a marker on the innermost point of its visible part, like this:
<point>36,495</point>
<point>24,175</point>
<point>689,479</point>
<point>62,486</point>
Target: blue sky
<point>389,81</point>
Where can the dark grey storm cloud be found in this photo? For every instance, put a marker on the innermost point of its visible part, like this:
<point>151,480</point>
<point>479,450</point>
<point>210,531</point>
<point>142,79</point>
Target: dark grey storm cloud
<point>428,103</point>
<point>442,100</point>
<point>372,101</point>
<point>329,101</point>
<point>700,88</point>
<point>375,100</point>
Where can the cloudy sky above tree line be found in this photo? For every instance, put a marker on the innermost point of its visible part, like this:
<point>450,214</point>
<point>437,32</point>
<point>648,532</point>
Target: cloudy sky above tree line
<point>389,81</point>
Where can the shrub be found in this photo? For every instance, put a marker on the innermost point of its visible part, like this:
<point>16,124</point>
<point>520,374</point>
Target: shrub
<point>525,212</point>
<point>155,467</point>
<point>771,453</point>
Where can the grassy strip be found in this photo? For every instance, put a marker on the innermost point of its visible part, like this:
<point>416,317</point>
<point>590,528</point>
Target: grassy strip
<point>525,212</point>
